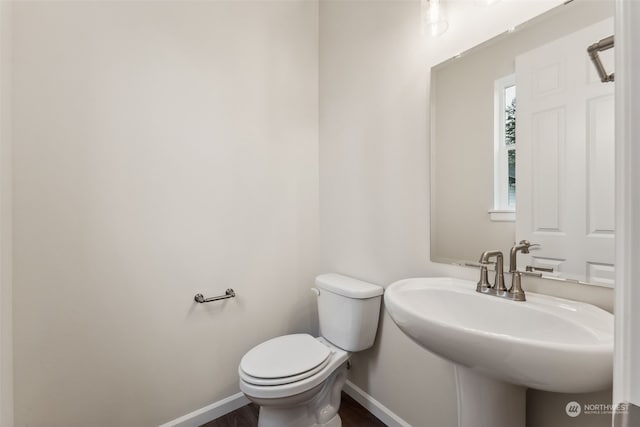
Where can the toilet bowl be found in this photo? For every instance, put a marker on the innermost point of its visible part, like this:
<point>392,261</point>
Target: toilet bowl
<point>306,398</point>
<point>297,379</point>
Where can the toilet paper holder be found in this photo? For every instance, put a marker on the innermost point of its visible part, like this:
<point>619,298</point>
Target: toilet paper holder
<point>229,293</point>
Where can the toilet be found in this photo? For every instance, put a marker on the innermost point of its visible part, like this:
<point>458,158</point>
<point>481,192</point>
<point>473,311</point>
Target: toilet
<point>297,379</point>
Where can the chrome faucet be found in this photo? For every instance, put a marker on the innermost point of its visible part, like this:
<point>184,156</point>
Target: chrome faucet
<point>515,292</point>
<point>498,287</point>
<point>523,247</point>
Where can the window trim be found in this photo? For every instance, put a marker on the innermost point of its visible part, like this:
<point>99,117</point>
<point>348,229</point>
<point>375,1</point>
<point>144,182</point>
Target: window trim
<point>501,210</point>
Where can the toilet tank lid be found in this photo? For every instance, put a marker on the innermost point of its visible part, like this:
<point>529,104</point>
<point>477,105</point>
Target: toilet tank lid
<point>348,286</point>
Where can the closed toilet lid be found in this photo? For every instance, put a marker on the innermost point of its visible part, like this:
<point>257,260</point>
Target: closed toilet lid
<point>285,356</point>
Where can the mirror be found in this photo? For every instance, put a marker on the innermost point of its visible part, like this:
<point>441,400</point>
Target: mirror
<point>522,147</point>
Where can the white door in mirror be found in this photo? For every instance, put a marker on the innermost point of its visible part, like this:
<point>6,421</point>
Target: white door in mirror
<point>565,126</point>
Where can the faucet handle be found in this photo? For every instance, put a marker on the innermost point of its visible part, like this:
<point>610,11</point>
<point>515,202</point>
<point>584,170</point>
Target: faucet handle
<point>483,283</point>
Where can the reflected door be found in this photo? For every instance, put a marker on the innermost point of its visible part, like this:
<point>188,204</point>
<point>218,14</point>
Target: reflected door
<point>565,136</point>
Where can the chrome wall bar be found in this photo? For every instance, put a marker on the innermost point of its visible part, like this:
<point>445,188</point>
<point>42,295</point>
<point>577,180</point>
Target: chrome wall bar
<point>230,293</point>
<point>604,44</point>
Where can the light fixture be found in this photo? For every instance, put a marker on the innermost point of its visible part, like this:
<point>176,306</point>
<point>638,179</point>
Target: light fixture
<point>433,17</point>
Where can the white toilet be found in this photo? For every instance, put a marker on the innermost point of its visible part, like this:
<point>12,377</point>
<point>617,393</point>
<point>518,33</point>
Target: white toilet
<point>297,379</point>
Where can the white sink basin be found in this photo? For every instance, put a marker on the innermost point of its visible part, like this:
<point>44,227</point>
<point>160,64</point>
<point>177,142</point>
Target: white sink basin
<point>546,343</point>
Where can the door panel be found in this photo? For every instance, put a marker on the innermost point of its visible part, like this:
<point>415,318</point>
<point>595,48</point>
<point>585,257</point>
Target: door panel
<point>565,134</point>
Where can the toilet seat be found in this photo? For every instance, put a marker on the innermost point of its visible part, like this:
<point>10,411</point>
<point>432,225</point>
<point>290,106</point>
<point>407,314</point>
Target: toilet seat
<point>294,385</point>
<point>283,360</point>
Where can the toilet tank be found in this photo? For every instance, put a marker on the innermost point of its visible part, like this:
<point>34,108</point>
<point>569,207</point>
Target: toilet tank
<point>348,311</point>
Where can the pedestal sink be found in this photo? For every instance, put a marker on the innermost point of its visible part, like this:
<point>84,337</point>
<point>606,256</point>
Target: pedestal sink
<point>500,347</point>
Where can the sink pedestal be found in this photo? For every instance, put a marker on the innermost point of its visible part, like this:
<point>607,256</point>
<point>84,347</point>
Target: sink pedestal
<point>486,402</point>
<point>547,343</point>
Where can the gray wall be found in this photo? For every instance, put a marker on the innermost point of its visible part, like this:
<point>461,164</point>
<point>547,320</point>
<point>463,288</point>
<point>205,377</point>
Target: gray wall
<point>6,297</point>
<point>160,149</point>
<point>374,181</point>
<point>139,172</point>
<point>373,194</point>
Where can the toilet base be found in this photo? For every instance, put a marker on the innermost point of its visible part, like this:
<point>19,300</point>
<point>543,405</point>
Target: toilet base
<point>317,407</point>
<point>269,419</point>
<point>335,422</point>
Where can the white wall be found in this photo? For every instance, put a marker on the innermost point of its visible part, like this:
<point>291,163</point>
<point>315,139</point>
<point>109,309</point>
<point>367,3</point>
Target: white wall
<point>6,298</point>
<point>167,148</point>
<point>373,186</point>
<point>161,149</point>
<point>627,354</point>
<point>374,176</point>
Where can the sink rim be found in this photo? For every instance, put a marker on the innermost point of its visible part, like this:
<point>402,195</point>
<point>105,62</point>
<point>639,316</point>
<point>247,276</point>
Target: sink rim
<point>544,361</point>
<point>535,302</point>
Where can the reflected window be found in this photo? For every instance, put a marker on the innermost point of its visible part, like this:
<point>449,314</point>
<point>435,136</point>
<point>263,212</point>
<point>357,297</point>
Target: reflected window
<point>510,143</point>
<point>505,145</point>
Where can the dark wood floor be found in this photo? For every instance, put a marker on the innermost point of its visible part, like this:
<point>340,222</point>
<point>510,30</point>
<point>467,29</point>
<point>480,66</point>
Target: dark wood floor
<point>351,412</point>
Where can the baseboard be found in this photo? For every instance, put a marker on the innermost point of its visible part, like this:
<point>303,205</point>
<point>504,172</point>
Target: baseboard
<point>383,413</point>
<point>223,407</point>
<point>210,412</point>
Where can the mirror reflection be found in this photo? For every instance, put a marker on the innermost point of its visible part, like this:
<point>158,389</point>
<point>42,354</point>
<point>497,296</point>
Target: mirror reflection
<point>522,147</point>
